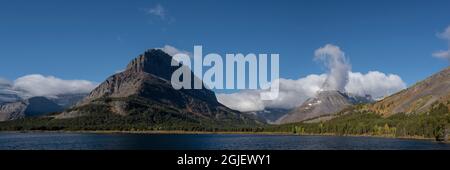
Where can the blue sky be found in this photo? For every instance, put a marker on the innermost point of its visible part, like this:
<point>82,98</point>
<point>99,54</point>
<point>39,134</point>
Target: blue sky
<point>91,40</point>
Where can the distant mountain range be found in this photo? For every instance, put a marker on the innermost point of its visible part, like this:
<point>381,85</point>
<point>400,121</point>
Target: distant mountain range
<point>142,97</point>
<point>325,103</point>
<point>16,107</point>
<point>269,115</point>
<point>13,104</point>
<point>32,107</point>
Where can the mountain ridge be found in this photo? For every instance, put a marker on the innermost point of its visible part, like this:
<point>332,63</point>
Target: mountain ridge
<point>32,107</point>
<point>418,98</point>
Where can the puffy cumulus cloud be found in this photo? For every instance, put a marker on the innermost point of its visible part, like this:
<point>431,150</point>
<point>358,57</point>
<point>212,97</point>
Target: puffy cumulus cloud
<point>39,85</point>
<point>444,54</point>
<point>338,67</point>
<point>374,83</point>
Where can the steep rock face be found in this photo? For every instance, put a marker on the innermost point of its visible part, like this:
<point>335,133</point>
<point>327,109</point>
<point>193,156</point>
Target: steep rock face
<point>325,103</point>
<point>12,111</point>
<point>149,76</point>
<point>31,107</point>
<point>418,98</point>
<point>145,86</point>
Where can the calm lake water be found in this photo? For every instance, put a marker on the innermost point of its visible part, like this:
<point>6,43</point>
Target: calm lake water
<point>87,141</point>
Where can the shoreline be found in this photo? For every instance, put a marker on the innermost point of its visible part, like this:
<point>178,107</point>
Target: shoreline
<point>223,133</point>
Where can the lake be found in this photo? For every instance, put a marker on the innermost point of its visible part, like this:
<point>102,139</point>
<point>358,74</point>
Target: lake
<point>120,141</point>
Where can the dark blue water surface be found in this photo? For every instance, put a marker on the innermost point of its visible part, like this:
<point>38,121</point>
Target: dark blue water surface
<point>89,141</point>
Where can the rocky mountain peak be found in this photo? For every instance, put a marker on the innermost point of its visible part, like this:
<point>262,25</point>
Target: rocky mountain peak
<point>325,103</point>
<point>153,61</point>
<point>145,88</point>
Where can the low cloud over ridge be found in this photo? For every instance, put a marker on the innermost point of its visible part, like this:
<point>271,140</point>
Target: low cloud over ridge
<point>40,85</point>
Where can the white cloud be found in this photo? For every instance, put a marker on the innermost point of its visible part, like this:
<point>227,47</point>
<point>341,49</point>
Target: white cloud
<point>39,85</point>
<point>339,77</point>
<point>158,11</point>
<point>374,83</point>
<point>444,54</point>
<point>294,92</point>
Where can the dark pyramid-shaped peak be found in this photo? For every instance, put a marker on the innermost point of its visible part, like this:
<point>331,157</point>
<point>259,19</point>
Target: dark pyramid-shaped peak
<point>144,76</point>
<point>41,105</point>
<point>153,61</point>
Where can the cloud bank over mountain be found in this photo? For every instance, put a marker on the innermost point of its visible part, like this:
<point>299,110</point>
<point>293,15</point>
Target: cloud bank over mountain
<point>338,77</point>
<point>40,85</point>
<point>293,92</point>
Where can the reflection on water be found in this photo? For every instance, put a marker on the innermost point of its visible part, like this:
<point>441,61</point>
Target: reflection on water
<point>87,141</point>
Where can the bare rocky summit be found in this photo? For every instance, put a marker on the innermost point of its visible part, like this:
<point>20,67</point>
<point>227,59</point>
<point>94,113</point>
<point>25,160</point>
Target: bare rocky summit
<point>325,103</point>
